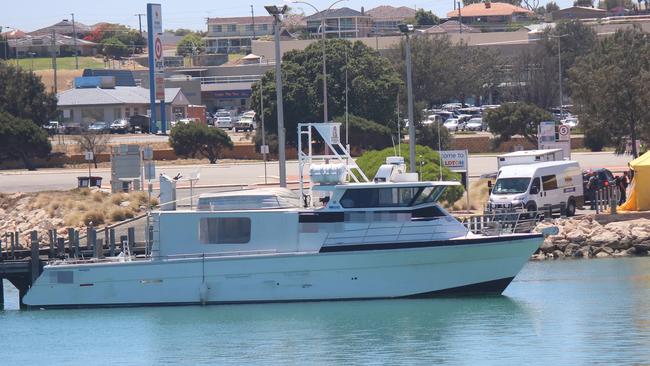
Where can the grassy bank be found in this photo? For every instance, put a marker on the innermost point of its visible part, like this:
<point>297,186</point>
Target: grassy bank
<point>62,63</point>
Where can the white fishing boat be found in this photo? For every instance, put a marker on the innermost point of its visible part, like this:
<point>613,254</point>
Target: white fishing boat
<point>388,238</point>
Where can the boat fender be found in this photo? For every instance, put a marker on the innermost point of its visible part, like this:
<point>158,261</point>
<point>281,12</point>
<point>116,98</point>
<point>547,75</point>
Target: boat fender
<point>203,293</point>
<point>551,230</point>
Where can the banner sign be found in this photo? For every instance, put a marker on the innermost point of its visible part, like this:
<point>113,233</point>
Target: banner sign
<point>455,160</point>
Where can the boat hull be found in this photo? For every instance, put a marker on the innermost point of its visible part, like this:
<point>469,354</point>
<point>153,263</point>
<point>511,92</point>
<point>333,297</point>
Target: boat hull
<point>403,270</point>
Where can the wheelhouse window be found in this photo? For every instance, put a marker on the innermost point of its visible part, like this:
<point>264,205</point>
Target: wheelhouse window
<point>225,230</point>
<point>379,197</point>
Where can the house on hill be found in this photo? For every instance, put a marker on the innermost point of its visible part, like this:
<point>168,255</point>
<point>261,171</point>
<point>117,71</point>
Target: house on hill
<point>578,12</point>
<point>490,16</point>
<point>385,19</point>
<point>340,23</point>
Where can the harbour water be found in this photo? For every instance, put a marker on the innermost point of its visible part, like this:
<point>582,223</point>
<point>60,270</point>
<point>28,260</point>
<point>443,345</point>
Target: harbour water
<point>569,312</point>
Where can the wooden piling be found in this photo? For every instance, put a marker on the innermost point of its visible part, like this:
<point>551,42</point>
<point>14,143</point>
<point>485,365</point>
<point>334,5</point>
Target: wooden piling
<point>77,252</point>
<point>111,240</point>
<point>131,234</point>
<point>2,294</point>
<point>35,264</point>
<point>99,248</point>
<point>91,237</point>
<point>17,237</point>
<point>60,248</point>
<point>71,242</point>
<point>52,236</point>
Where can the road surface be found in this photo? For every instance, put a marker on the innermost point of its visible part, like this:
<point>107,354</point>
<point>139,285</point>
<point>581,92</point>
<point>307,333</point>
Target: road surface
<point>244,173</point>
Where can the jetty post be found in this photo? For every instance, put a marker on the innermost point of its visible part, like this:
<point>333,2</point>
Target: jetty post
<point>35,262</point>
<point>60,248</point>
<point>131,234</point>
<point>111,240</point>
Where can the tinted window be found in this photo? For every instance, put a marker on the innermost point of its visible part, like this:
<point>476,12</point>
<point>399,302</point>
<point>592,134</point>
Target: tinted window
<point>378,197</point>
<point>225,230</point>
<point>549,182</point>
<point>535,186</point>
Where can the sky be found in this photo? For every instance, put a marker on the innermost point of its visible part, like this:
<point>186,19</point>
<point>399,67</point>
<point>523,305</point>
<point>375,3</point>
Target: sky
<point>29,15</point>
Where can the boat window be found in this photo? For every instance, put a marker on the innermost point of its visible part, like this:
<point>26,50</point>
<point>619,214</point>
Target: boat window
<point>378,197</point>
<point>549,182</point>
<point>511,185</point>
<point>424,196</point>
<point>225,230</point>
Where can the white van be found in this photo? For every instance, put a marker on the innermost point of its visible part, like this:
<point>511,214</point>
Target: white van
<point>533,186</point>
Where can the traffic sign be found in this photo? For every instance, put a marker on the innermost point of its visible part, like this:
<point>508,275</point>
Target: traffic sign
<point>564,133</point>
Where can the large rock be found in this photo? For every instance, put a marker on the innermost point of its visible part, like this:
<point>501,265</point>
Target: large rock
<point>602,254</point>
<point>641,249</point>
<point>640,234</point>
<point>576,236</point>
<point>548,246</point>
<point>570,249</point>
<point>603,237</point>
<point>558,254</point>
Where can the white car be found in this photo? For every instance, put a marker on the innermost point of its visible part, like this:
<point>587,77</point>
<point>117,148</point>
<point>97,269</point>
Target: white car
<point>571,122</point>
<point>475,124</point>
<point>245,123</point>
<point>224,122</point>
<point>452,124</point>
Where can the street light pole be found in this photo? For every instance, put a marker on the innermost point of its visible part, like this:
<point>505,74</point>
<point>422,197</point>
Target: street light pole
<point>559,68</point>
<point>277,13</point>
<point>322,29</point>
<point>74,40</point>
<point>407,29</point>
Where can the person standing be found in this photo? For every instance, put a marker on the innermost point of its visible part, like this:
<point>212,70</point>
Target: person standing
<point>623,183</point>
<point>592,186</point>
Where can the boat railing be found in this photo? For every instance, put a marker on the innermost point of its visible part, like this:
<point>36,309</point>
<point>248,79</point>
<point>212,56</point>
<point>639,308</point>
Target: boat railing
<point>502,222</point>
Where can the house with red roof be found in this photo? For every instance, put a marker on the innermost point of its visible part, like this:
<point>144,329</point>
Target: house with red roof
<point>489,16</point>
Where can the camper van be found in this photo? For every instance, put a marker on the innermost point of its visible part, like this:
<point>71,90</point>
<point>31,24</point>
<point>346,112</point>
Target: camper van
<point>529,156</point>
<point>530,187</point>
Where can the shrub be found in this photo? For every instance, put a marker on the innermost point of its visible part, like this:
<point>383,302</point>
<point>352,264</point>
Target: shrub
<point>94,217</point>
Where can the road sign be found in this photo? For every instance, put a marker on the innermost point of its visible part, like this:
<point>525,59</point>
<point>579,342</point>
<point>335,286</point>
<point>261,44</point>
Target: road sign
<point>564,133</point>
<point>455,160</point>
<point>88,155</point>
<point>156,18</point>
<point>264,149</point>
<point>149,170</point>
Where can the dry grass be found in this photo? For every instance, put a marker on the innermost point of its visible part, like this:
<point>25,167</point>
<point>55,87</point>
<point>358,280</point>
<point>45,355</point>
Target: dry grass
<point>478,196</point>
<point>80,207</point>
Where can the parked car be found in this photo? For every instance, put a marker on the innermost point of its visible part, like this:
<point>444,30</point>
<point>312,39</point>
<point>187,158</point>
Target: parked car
<point>245,123</point>
<point>139,123</point>
<point>99,127</point>
<point>463,119</point>
<point>570,121</point>
<point>224,122</point>
<point>475,124</point>
<point>452,124</point>
<point>53,128</point>
<point>120,126</point>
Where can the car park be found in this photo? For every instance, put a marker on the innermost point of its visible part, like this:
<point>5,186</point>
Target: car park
<point>120,126</point>
<point>475,124</point>
<point>99,127</point>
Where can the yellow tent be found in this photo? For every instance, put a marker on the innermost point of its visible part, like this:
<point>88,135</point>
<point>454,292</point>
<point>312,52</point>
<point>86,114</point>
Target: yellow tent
<point>639,199</point>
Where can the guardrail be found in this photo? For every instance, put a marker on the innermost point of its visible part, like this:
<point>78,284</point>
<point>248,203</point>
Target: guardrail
<point>502,222</point>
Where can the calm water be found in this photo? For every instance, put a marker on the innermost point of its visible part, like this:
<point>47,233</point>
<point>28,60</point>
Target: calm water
<point>555,313</point>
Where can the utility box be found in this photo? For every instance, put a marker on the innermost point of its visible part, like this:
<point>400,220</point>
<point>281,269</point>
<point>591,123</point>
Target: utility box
<point>126,168</point>
<point>167,193</point>
<point>197,111</point>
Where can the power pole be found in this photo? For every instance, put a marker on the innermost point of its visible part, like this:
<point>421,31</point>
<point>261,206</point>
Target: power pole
<point>253,18</point>
<point>74,39</point>
<point>140,21</point>
<point>53,45</point>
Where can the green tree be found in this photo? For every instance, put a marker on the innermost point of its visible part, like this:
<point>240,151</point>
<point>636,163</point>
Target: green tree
<point>197,139</point>
<point>22,139</point>
<point>444,71</point>
<point>610,88</point>
<point>372,85</point>
<point>427,135</point>
<point>370,162</point>
<point>584,3</point>
<point>113,47</point>
<point>23,95</point>
<point>512,119</point>
<point>366,134</point>
<point>552,6</point>
<point>426,17</point>
<point>191,44</point>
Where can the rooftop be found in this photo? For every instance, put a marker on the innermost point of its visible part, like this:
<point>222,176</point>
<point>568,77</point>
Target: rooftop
<point>336,13</point>
<point>241,20</point>
<point>387,12</point>
<point>117,95</point>
<point>488,9</point>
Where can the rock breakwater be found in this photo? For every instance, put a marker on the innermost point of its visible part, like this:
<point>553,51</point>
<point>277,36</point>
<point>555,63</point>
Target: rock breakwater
<point>585,237</point>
